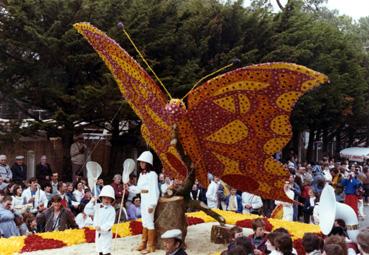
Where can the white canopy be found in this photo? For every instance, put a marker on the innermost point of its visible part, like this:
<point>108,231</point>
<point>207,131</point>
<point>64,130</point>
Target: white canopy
<point>355,154</point>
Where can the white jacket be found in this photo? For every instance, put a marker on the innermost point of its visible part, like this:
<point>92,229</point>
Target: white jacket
<point>287,207</point>
<point>327,175</point>
<point>251,199</point>
<point>212,195</point>
<point>40,197</point>
<point>104,217</point>
<point>83,221</point>
<point>78,195</point>
<point>149,182</point>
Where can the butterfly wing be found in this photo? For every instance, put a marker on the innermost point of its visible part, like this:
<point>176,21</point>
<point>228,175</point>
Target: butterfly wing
<point>239,120</point>
<point>142,94</point>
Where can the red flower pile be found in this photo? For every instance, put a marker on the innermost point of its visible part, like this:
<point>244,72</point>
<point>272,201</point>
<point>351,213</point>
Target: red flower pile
<point>35,243</point>
<point>194,220</point>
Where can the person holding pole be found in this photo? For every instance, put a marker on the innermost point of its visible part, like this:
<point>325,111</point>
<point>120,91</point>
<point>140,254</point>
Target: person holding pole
<point>148,187</point>
<point>104,217</point>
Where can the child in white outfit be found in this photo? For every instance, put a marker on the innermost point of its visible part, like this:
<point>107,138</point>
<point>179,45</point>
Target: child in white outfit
<point>104,217</point>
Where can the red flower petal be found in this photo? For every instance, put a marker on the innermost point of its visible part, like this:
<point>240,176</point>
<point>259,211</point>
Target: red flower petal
<point>244,223</point>
<point>194,220</point>
<point>89,235</point>
<point>135,227</point>
<point>248,224</point>
<point>268,225</point>
<point>297,244</point>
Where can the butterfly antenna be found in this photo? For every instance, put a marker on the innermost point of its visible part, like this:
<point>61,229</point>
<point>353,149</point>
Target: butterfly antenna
<point>207,76</point>
<point>121,26</point>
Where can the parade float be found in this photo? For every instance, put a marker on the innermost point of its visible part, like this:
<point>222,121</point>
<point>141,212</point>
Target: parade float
<point>231,126</point>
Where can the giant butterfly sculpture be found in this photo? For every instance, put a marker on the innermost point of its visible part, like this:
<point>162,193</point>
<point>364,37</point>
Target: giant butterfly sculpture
<point>232,125</point>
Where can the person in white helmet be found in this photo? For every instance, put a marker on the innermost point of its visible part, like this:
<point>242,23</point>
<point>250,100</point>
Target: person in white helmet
<point>104,217</point>
<point>148,186</point>
<point>173,242</point>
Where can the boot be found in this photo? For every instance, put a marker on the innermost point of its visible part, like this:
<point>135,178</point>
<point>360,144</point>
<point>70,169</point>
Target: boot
<point>143,243</point>
<point>151,242</point>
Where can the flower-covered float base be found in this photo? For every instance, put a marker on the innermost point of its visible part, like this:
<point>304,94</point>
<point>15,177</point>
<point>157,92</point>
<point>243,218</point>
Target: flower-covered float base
<point>52,240</point>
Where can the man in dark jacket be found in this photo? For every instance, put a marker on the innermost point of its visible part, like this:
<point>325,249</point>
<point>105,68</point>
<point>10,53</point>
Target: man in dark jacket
<point>56,218</point>
<point>43,171</point>
<point>173,242</point>
<point>19,170</point>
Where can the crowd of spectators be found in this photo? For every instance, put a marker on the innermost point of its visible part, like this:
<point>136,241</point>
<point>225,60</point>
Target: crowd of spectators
<point>279,242</point>
<point>46,203</point>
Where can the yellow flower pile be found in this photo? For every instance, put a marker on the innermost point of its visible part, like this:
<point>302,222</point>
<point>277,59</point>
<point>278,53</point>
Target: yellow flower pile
<point>12,245</point>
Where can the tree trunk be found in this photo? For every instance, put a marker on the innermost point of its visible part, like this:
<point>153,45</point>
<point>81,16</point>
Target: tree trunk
<point>280,5</point>
<point>350,136</point>
<point>338,142</point>
<point>67,140</point>
<point>170,214</point>
<point>325,142</point>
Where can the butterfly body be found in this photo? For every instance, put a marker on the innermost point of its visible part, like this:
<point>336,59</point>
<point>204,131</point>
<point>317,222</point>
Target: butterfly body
<point>176,109</point>
<point>232,125</point>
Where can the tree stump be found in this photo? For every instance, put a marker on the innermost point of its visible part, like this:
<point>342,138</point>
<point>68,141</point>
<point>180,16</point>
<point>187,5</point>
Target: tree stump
<point>220,234</point>
<point>170,214</point>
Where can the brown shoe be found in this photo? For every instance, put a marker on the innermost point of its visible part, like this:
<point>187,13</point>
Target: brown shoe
<point>143,243</point>
<point>151,242</point>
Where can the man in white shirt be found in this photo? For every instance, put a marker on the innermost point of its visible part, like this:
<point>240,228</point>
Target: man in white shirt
<point>35,196</point>
<point>251,203</point>
<point>212,193</point>
<point>327,173</point>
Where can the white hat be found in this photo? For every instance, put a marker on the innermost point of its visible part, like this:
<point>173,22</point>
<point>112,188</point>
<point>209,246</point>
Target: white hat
<point>107,191</point>
<point>147,157</point>
<point>173,233</point>
<point>116,176</point>
<point>19,157</point>
<point>2,157</point>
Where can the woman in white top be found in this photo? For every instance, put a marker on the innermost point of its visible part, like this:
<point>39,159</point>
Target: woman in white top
<point>79,192</point>
<point>18,202</point>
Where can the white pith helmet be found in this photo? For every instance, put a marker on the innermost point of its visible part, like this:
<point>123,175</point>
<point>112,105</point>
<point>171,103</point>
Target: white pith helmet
<point>147,157</point>
<point>107,191</point>
<point>173,233</point>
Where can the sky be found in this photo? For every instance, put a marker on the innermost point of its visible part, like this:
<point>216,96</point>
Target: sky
<point>353,8</point>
